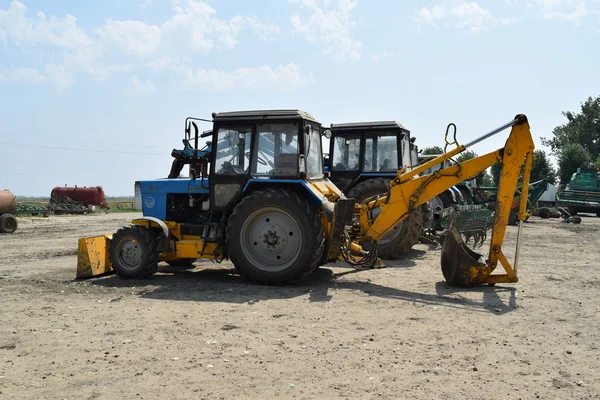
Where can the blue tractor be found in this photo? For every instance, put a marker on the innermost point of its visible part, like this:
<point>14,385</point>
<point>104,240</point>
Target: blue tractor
<point>256,194</point>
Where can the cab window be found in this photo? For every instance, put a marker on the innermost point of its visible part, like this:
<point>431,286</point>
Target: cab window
<point>381,152</point>
<point>233,150</point>
<point>276,149</point>
<point>346,150</point>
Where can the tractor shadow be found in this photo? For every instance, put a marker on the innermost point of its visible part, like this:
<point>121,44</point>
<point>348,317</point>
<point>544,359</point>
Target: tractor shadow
<point>221,284</point>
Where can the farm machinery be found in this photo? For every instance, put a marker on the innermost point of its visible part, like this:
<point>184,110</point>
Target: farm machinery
<point>76,200</point>
<point>363,158</point>
<point>257,195</point>
<point>8,210</point>
<point>582,193</point>
<point>536,190</point>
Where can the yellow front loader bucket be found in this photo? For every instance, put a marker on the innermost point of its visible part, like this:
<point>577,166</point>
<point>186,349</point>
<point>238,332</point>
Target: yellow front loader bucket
<point>92,257</point>
<point>462,266</point>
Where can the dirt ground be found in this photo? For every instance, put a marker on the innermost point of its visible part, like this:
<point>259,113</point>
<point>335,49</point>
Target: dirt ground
<point>399,332</point>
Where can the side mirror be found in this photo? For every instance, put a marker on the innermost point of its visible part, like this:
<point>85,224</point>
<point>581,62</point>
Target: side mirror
<point>327,133</point>
<point>206,134</point>
<point>187,131</point>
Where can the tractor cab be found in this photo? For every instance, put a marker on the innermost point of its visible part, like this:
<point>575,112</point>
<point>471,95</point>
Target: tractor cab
<point>362,150</point>
<point>243,151</point>
<point>251,147</point>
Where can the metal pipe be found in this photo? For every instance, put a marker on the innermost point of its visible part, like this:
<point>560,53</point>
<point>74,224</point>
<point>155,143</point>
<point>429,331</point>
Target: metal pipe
<point>516,263</point>
<point>523,204</point>
<point>491,133</point>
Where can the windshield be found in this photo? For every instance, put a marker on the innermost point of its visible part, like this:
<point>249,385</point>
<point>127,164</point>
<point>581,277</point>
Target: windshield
<point>276,150</point>
<point>314,158</point>
<point>381,152</point>
<point>346,151</point>
<point>233,148</point>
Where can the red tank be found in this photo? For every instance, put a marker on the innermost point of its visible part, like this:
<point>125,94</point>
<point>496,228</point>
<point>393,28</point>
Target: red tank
<point>90,196</point>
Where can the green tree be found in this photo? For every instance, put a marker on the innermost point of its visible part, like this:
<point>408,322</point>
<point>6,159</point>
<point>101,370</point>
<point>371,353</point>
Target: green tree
<point>483,179</point>
<point>496,171</point>
<point>597,163</point>
<point>582,128</point>
<point>432,150</point>
<point>541,168</point>
<point>571,157</point>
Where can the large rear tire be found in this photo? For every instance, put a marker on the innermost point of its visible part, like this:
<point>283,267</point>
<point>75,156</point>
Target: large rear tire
<point>427,210</point>
<point>274,236</point>
<point>133,252</point>
<point>8,223</point>
<point>405,235</point>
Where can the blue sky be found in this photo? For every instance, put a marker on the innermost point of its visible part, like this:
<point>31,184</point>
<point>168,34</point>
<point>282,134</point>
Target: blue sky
<point>95,92</point>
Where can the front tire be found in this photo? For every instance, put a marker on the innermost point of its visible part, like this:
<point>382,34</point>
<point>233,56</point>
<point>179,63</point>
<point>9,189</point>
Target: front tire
<point>8,223</point>
<point>405,235</point>
<point>133,252</point>
<point>274,236</point>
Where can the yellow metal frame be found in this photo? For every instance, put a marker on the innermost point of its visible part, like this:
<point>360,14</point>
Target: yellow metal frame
<point>182,246</point>
<point>408,191</point>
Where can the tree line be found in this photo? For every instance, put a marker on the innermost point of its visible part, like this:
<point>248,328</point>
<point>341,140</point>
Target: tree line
<point>576,144</point>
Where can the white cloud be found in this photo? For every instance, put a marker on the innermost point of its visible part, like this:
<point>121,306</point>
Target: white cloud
<point>378,57</point>
<point>62,32</point>
<point>140,88</point>
<point>196,22</point>
<point>134,37</point>
<point>144,3</point>
<point>56,38</point>
<point>263,77</point>
<point>469,16</point>
<point>263,31</point>
<point>332,26</point>
<point>431,16</point>
<point>66,50</point>
<point>21,74</point>
<point>60,76</point>
<point>569,10</point>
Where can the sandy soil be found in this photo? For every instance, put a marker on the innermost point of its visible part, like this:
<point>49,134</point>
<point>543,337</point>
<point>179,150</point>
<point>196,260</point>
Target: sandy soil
<point>399,332</point>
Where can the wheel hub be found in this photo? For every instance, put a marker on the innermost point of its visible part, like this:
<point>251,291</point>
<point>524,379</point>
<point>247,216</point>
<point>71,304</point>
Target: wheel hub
<point>271,239</point>
<point>131,253</point>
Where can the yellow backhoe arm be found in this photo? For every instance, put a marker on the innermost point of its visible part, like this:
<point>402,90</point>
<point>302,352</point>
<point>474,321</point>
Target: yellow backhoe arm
<point>407,192</point>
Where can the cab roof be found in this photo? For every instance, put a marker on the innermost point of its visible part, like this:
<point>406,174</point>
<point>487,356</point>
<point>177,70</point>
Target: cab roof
<point>368,125</point>
<point>263,114</point>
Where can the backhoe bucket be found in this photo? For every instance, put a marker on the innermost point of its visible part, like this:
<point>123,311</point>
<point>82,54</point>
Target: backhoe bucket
<point>461,266</point>
<point>92,257</point>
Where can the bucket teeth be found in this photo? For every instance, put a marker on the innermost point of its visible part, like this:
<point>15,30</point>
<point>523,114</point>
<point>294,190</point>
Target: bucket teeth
<point>462,266</point>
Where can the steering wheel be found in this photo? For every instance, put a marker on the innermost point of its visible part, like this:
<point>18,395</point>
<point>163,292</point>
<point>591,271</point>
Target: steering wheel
<point>258,158</point>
